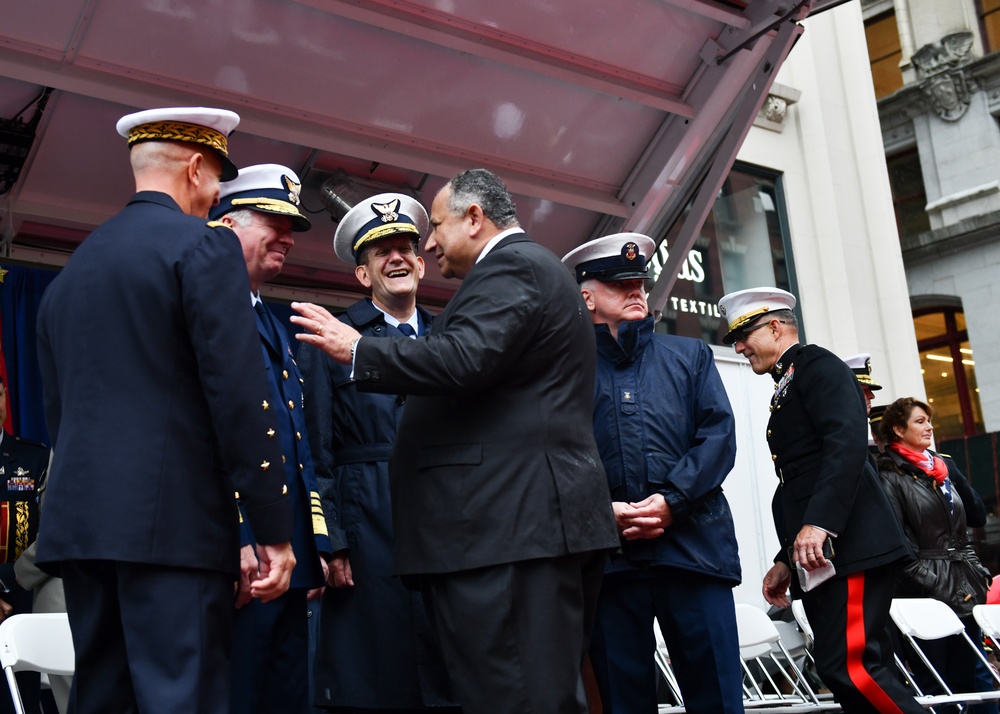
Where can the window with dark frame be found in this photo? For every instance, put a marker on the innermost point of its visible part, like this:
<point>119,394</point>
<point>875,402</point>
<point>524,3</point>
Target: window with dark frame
<point>948,370</point>
<point>743,244</point>
<point>909,198</point>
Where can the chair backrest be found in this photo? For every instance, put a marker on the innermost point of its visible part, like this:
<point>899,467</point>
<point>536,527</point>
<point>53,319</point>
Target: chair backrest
<point>763,653</point>
<point>754,628</point>
<point>925,618</point>
<point>799,613</point>
<point>988,618</point>
<point>40,642</point>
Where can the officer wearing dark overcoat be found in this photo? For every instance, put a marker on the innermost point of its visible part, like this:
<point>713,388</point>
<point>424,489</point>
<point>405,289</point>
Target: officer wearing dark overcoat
<point>271,639</point>
<point>829,507</point>
<point>372,627</point>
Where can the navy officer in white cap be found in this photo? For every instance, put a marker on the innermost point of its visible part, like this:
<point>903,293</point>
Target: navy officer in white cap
<point>829,508</point>
<point>372,628</point>
<point>271,639</point>
<point>158,409</point>
<point>861,365</point>
<point>666,434</point>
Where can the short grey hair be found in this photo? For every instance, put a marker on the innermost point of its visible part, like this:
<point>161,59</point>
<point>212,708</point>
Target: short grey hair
<point>242,217</point>
<point>786,316</point>
<point>485,189</point>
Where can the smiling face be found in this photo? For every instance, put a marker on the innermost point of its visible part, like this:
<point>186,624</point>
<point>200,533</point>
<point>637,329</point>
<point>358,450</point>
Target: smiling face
<point>266,241</point>
<point>918,431</point>
<point>615,302</point>
<point>759,345</point>
<point>391,269</point>
<point>451,238</point>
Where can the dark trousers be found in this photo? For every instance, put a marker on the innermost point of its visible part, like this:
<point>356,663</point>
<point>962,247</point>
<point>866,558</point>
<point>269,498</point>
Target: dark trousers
<point>149,638</point>
<point>514,636</point>
<point>854,656</point>
<point>271,656</point>
<point>697,617</point>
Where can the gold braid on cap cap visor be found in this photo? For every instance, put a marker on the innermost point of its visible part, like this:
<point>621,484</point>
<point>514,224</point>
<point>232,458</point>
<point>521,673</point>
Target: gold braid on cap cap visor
<point>180,131</point>
<point>389,229</point>
<point>744,319</point>
<point>865,379</point>
<point>268,204</point>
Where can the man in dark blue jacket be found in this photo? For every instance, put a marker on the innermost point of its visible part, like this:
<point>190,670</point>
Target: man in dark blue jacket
<point>158,411</point>
<point>271,639</point>
<point>665,432</point>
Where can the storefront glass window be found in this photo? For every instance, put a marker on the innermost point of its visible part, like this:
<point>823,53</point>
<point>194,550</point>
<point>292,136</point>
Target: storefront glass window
<point>743,244</point>
<point>949,371</point>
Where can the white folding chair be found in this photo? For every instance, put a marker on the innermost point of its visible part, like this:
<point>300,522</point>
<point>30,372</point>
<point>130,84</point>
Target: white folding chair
<point>761,652</point>
<point>929,619</point>
<point>662,659</point>
<point>37,642</point>
<point>988,618</point>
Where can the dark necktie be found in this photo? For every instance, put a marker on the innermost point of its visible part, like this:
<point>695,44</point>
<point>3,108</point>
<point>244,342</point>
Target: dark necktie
<point>268,326</point>
<point>406,329</point>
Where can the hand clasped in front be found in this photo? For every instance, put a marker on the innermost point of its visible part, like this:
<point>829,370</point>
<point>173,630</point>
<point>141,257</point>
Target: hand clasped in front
<point>324,331</point>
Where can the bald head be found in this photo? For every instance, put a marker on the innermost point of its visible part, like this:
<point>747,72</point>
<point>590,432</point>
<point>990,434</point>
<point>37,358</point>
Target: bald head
<point>189,173</point>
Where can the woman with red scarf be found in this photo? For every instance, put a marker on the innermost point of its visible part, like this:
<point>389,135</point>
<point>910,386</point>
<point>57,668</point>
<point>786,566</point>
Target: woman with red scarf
<point>921,487</point>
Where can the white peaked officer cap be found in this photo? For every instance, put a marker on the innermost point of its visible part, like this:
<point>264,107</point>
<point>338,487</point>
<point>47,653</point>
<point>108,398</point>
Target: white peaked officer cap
<point>267,188</point>
<point>196,125</point>
<point>861,365</point>
<point>620,256</point>
<point>744,306</point>
<point>381,216</point>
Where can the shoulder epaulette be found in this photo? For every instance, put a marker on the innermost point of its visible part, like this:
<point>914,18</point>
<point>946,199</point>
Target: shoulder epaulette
<point>216,224</point>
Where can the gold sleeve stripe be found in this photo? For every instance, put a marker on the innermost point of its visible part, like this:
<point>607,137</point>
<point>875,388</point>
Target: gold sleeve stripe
<point>21,528</point>
<point>319,521</point>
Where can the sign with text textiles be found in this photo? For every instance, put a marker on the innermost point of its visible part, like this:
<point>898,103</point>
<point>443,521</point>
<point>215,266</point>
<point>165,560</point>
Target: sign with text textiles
<point>743,244</point>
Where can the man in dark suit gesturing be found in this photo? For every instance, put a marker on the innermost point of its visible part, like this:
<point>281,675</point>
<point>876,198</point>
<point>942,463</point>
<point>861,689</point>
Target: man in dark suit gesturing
<point>158,409</point>
<point>499,499</point>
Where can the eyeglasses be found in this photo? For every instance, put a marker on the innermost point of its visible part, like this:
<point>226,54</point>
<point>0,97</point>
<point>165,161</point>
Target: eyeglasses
<point>744,332</point>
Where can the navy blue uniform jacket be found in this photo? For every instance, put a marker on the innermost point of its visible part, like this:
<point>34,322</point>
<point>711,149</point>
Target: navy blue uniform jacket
<point>310,538</point>
<point>664,425</point>
<point>155,397</point>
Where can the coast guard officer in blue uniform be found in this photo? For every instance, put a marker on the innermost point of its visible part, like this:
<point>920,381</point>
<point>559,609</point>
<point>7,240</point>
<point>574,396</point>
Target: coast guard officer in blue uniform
<point>270,644</point>
<point>667,439</point>
<point>158,410</point>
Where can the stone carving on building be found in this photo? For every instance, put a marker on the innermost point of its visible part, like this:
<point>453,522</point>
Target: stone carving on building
<point>774,111</point>
<point>946,83</point>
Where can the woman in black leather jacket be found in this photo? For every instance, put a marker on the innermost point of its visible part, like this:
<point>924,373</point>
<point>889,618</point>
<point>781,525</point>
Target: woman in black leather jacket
<point>922,489</point>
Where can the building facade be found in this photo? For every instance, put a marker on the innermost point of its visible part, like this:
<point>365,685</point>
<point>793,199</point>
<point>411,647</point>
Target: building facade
<point>936,74</point>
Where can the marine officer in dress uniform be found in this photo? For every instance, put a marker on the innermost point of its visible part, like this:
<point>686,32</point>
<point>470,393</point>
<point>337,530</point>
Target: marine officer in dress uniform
<point>829,506</point>
<point>159,411</point>
<point>23,465</point>
<point>271,639</point>
<point>372,627</point>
